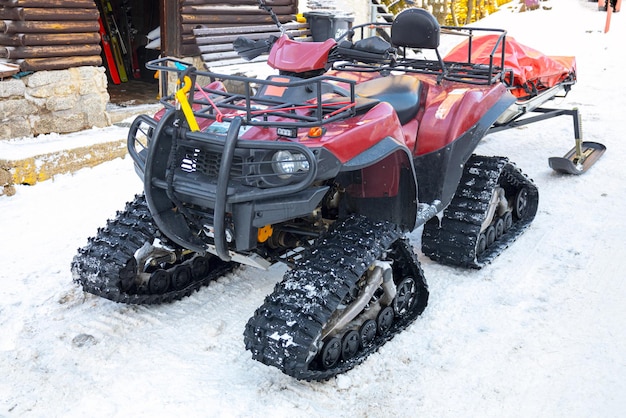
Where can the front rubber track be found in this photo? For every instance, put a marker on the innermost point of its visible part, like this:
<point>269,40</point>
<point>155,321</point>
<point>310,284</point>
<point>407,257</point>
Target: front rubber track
<point>107,267</point>
<point>285,332</point>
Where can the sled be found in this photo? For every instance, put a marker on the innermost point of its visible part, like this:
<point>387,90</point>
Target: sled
<point>579,159</point>
<point>534,80</point>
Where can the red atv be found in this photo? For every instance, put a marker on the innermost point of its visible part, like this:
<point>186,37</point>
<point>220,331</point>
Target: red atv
<point>325,167</point>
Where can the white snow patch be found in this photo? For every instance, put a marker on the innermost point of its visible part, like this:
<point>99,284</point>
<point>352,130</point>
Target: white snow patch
<point>285,339</point>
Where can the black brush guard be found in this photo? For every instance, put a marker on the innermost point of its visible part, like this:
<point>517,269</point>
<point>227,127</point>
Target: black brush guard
<point>175,195</point>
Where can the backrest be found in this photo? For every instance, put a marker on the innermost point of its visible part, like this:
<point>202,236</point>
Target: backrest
<point>415,28</point>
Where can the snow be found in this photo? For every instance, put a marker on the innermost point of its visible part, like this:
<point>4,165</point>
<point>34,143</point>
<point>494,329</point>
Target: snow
<point>20,148</point>
<point>540,332</point>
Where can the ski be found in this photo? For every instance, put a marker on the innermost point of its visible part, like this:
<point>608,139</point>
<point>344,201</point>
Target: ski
<point>131,31</point>
<point>117,45</point>
<point>108,54</point>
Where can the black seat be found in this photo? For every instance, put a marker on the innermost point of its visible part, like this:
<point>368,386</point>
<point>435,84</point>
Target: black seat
<point>402,92</point>
<point>415,28</point>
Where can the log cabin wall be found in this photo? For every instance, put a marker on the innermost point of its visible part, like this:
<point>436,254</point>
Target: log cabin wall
<point>219,13</point>
<point>49,34</point>
<point>59,41</point>
<point>58,34</point>
<point>61,86</point>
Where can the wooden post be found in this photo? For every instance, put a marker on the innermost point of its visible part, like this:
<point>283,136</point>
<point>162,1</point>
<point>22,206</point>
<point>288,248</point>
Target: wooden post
<point>171,27</point>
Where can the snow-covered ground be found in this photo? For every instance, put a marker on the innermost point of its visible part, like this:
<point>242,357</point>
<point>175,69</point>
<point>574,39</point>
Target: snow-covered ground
<point>541,332</point>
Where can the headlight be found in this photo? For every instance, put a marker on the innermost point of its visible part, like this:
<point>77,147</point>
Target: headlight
<point>286,164</point>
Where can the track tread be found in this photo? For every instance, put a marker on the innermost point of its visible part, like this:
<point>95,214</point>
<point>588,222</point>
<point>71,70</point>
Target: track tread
<point>454,241</point>
<point>98,265</point>
<point>285,330</point>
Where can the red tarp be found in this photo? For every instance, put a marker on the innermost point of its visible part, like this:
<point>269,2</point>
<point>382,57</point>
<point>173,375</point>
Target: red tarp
<point>533,71</point>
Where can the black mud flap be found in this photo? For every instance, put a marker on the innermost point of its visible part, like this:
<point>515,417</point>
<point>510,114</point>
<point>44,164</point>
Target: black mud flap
<point>579,159</point>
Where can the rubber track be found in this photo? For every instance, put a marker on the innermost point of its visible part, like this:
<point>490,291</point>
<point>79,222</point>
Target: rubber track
<point>97,266</point>
<point>284,332</point>
<point>454,243</point>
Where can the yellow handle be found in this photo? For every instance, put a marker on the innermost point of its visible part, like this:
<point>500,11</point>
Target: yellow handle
<point>181,96</point>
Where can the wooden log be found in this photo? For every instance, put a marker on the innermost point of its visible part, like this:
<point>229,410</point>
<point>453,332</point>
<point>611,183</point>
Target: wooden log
<point>189,50</point>
<point>219,56</point>
<point>223,43</point>
<point>59,63</point>
<point>271,3</point>
<point>37,26</point>
<point>230,9</point>
<point>35,39</point>
<point>214,41</point>
<point>38,13</point>
<point>189,23</point>
<point>214,48</point>
<point>212,31</point>
<point>89,4</point>
<point>11,52</point>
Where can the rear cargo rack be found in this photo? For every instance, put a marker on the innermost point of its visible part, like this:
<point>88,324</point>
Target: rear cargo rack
<point>262,101</point>
<point>469,72</point>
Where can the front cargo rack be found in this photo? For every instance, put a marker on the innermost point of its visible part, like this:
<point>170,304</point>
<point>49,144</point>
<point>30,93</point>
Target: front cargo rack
<point>262,102</point>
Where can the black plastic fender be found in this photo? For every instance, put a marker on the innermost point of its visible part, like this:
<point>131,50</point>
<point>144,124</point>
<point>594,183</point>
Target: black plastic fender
<point>381,183</point>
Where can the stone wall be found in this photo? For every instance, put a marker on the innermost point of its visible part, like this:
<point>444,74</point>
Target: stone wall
<point>58,101</point>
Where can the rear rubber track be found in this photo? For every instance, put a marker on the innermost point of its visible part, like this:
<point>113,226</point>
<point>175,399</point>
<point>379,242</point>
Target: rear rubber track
<point>285,332</point>
<point>453,241</point>
<point>106,265</point>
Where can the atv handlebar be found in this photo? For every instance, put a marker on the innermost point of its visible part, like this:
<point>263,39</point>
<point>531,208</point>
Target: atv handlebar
<point>379,27</point>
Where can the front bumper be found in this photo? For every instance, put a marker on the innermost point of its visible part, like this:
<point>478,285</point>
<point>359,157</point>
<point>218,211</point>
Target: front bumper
<point>211,192</point>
